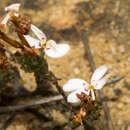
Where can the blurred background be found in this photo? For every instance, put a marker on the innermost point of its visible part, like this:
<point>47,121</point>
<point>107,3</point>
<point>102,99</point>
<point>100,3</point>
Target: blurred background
<point>108,31</point>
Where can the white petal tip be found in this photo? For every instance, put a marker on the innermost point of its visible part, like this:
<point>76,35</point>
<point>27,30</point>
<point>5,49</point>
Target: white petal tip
<point>59,51</point>
<point>38,33</point>
<point>74,84</point>
<point>99,73</point>
<point>14,7</point>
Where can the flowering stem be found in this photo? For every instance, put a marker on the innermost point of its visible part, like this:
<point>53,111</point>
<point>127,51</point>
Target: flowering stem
<point>92,65</point>
<point>59,88</point>
<point>63,94</point>
<point>88,50</point>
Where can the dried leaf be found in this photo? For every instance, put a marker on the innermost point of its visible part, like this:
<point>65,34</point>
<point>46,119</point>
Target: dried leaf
<point>77,119</point>
<point>84,98</point>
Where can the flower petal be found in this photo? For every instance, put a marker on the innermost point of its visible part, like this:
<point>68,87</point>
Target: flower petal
<point>98,73</point>
<point>57,50</point>
<point>102,82</point>
<point>72,97</point>
<point>14,7</point>
<point>33,42</point>
<point>38,33</point>
<point>74,84</point>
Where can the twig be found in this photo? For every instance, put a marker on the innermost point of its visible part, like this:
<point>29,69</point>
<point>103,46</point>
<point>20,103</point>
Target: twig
<point>114,80</point>
<point>63,94</point>
<point>10,41</point>
<point>88,50</point>
<point>29,105</point>
<point>21,37</point>
<point>8,121</point>
<point>92,65</point>
<point>60,89</point>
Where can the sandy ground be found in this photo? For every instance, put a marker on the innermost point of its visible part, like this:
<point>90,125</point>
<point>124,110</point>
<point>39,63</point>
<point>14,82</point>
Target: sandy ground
<point>108,28</point>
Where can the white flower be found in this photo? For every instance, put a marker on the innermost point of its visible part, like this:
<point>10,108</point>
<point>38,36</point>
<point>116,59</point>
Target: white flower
<point>11,10</point>
<point>13,7</point>
<point>78,85</point>
<point>51,48</point>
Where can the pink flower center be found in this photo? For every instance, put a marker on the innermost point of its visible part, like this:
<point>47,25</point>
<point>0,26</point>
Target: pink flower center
<point>84,84</point>
<point>47,48</point>
<point>86,90</point>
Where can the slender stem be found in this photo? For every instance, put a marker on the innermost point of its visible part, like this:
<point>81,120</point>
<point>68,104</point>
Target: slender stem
<point>88,50</point>
<point>92,65</point>
<point>4,109</point>
<point>114,80</point>
<point>63,94</point>
<point>60,90</point>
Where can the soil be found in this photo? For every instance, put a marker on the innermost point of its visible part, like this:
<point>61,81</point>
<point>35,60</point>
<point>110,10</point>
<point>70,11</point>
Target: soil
<point>108,30</point>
